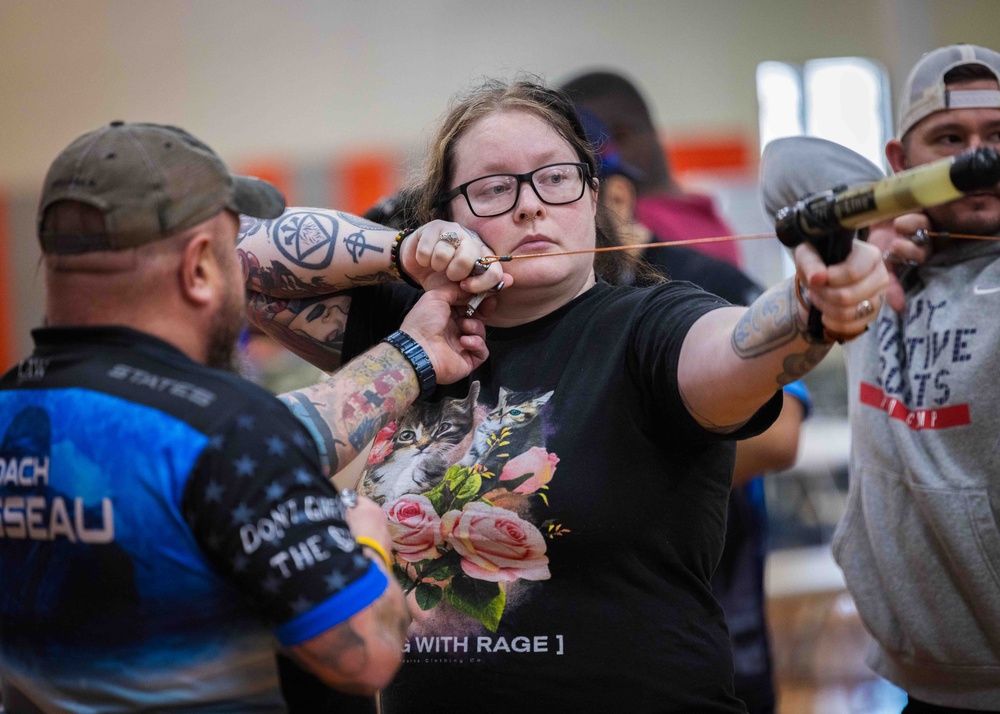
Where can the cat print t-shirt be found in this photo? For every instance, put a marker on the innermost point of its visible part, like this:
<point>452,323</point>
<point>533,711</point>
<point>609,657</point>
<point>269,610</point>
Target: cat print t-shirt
<point>556,517</point>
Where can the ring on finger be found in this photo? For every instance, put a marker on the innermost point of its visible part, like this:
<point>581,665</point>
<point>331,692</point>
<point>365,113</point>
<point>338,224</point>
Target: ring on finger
<point>349,497</point>
<point>864,309</point>
<point>451,238</point>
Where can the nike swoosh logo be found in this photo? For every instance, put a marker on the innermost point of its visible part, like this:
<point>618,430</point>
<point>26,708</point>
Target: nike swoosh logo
<point>976,290</point>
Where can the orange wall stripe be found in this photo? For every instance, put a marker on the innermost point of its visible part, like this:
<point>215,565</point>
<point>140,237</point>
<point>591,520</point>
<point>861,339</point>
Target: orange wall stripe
<point>277,172</point>
<point>708,153</point>
<point>6,304</point>
<point>363,179</point>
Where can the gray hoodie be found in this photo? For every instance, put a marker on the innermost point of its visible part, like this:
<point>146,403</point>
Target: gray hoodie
<point>920,544</point>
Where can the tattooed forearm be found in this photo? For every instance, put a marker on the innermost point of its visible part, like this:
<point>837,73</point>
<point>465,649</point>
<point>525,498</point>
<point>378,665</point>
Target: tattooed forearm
<point>340,656</point>
<point>356,244</point>
<point>360,655</point>
<point>798,365</point>
<point>312,328</point>
<point>373,278</point>
<point>769,323</point>
<point>772,322</point>
<point>357,401</point>
<point>309,414</point>
<point>307,251</point>
<point>348,652</point>
<point>393,617</point>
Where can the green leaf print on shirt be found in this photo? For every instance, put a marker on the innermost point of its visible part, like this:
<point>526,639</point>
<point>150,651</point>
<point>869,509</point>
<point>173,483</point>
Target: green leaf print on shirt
<point>479,599</point>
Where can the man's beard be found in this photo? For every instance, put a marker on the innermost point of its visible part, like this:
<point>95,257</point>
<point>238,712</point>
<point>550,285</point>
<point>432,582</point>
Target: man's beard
<point>979,223</point>
<point>227,324</point>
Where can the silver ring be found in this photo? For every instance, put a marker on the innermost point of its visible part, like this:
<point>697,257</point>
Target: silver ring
<point>349,497</point>
<point>864,309</point>
<point>920,238</point>
<point>451,238</point>
<point>496,288</point>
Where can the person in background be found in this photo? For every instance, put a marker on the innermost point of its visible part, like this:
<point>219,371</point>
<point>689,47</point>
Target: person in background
<point>738,581</point>
<point>556,517</point>
<point>663,206</point>
<point>920,544</point>
<point>166,523</point>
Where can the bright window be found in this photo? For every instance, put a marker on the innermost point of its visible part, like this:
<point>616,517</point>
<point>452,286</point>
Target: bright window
<point>843,99</point>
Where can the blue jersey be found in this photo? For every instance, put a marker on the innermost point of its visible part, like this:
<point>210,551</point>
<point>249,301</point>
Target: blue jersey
<point>163,526</point>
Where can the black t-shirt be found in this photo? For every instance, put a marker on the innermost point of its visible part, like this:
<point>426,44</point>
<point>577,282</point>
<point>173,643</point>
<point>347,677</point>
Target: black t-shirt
<point>558,515</point>
<point>738,583</point>
<point>716,276</point>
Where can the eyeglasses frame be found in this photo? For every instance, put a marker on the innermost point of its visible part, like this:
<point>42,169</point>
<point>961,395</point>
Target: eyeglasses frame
<point>463,189</point>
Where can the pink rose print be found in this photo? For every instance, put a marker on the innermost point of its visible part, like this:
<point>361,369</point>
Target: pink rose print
<point>536,461</point>
<point>382,446</point>
<point>495,544</point>
<point>414,527</point>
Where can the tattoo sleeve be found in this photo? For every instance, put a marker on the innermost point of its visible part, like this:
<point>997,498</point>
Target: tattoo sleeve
<point>772,322</point>
<point>347,409</point>
<point>312,328</point>
<point>345,657</point>
<point>311,251</point>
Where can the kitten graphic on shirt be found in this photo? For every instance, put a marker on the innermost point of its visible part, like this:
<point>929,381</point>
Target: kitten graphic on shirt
<point>423,446</point>
<point>513,421</point>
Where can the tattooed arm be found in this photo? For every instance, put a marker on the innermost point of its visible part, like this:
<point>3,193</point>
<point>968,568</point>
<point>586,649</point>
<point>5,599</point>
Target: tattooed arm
<point>345,411</point>
<point>734,359</point>
<point>299,270</point>
<point>361,655</point>
<point>313,328</point>
<point>310,251</point>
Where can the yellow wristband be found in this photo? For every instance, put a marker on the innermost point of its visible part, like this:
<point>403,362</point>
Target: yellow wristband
<point>377,547</point>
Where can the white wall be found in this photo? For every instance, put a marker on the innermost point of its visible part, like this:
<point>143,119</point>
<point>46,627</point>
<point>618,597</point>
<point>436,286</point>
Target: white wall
<point>306,76</point>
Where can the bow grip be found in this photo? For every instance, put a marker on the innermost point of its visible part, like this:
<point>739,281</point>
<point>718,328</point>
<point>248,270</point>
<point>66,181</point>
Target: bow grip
<point>813,220</point>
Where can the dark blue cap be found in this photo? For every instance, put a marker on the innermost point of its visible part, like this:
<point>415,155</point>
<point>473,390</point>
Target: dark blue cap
<point>609,161</point>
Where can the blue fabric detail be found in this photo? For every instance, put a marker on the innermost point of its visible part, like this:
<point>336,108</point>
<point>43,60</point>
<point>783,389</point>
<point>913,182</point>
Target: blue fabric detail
<point>798,390</point>
<point>115,458</point>
<point>336,609</point>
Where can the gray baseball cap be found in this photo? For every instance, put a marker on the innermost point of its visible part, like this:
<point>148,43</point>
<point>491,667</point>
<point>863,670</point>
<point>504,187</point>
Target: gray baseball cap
<point>149,181</point>
<point>925,91</point>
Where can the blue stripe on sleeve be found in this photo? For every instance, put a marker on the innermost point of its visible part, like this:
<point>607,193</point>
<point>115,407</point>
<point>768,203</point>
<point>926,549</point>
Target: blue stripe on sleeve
<point>335,609</point>
<point>798,390</point>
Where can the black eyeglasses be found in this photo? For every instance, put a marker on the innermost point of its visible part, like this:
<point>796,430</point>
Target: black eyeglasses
<point>492,195</point>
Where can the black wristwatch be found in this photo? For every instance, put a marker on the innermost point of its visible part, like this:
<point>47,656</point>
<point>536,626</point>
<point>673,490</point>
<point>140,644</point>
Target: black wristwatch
<point>417,358</point>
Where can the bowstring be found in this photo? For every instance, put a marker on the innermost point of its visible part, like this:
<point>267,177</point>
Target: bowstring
<point>490,259</point>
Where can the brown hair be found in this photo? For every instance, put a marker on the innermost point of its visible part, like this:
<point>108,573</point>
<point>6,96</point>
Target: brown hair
<point>968,73</point>
<point>551,106</point>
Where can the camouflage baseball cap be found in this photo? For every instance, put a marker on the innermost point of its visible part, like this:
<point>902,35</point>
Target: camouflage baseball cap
<point>149,181</point>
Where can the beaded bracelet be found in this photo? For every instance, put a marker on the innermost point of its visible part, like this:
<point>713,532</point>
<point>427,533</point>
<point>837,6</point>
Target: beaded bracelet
<point>396,264</point>
<point>417,358</point>
<point>367,542</point>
